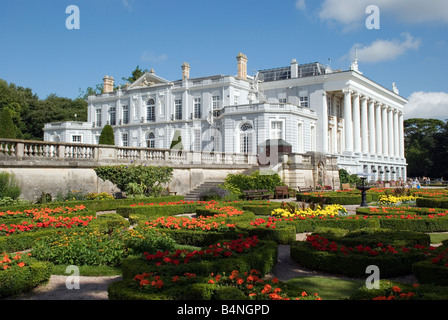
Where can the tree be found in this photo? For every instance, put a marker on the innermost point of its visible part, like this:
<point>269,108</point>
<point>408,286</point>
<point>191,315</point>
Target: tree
<point>421,146</point>
<point>176,143</point>
<point>136,74</point>
<point>107,136</point>
<point>7,128</point>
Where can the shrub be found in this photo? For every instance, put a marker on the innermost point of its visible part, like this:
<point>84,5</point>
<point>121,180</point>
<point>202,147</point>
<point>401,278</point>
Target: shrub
<point>9,186</point>
<point>255,181</point>
<point>107,136</point>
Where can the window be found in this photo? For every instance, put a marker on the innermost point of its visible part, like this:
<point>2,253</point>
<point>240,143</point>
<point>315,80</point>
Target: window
<point>338,109</point>
<point>178,109</point>
<point>151,110</point>
<point>113,116</point>
<point>313,137</point>
<point>125,114</point>
<point>246,138</point>
<point>77,139</point>
<point>98,118</point>
<point>283,100</point>
<point>216,102</point>
<point>330,106</point>
<point>304,102</point>
<point>124,138</point>
<point>197,108</point>
<point>151,141</point>
<point>196,139</point>
<point>276,130</point>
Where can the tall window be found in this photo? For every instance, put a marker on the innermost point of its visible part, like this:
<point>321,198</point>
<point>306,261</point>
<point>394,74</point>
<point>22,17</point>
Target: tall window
<point>125,114</point>
<point>313,137</point>
<point>216,102</point>
<point>276,130</point>
<point>330,106</point>
<point>125,139</point>
<point>246,138</point>
<point>98,118</point>
<point>338,109</point>
<point>151,110</point>
<point>113,116</point>
<point>151,141</point>
<point>178,109</point>
<point>196,139</point>
<point>304,102</point>
<point>197,108</point>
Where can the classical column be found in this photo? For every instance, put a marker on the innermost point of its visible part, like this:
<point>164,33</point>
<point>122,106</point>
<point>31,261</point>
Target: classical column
<point>324,141</point>
<point>385,131</point>
<point>348,125</point>
<point>401,134</point>
<point>378,129</point>
<point>372,141</point>
<point>356,124</point>
<point>364,126</point>
<point>390,129</point>
<point>396,135</point>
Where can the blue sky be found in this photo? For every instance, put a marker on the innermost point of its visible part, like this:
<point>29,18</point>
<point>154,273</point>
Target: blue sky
<point>409,48</point>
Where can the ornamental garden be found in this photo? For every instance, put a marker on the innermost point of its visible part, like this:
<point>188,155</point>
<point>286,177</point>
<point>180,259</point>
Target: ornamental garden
<point>223,247</point>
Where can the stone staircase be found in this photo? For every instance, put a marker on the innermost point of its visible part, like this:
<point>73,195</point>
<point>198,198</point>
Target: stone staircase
<point>194,194</point>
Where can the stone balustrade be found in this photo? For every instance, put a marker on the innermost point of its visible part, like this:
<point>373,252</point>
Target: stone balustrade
<point>53,153</point>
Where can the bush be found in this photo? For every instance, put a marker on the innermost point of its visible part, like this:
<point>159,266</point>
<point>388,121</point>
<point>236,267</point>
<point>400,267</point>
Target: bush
<point>107,136</point>
<point>9,186</point>
<point>255,181</point>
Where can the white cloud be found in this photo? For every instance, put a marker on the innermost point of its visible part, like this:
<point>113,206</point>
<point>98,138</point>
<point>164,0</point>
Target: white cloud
<point>127,4</point>
<point>301,4</point>
<point>353,12</point>
<point>427,105</point>
<point>152,57</point>
<point>383,50</point>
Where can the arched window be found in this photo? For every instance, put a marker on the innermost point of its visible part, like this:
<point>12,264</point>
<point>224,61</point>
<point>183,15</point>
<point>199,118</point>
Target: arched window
<point>151,140</point>
<point>246,138</point>
<point>151,110</point>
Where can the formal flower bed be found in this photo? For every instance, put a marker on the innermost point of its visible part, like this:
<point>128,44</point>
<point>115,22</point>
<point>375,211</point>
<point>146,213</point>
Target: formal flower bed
<point>37,213</point>
<point>328,211</point>
<point>8,261</point>
<point>395,200</point>
<point>220,250</point>
<point>243,285</point>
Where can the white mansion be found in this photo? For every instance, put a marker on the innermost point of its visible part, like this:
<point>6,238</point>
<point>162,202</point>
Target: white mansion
<point>310,106</point>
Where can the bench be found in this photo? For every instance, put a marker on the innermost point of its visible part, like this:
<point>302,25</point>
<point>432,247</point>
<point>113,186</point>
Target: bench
<point>305,189</point>
<point>119,195</point>
<point>256,194</point>
<point>282,192</point>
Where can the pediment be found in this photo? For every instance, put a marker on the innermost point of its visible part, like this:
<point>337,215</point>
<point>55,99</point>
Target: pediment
<point>147,80</point>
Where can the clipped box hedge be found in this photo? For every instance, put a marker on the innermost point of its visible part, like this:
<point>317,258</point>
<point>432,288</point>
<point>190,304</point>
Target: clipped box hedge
<point>432,202</point>
<point>261,258</point>
<point>427,272</point>
<point>15,281</point>
<point>353,265</point>
<point>155,211</point>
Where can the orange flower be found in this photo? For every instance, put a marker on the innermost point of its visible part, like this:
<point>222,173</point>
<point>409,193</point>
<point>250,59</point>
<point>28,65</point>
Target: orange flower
<point>21,264</point>
<point>267,288</point>
<point>396,289</point>
<point>304,294</point>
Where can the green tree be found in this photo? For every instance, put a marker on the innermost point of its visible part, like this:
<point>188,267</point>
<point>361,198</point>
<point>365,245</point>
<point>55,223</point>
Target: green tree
<point>176,143</point>
<point>136,74</point>
<point>7,128</point>
<point>107,136</point>
<point>421,146</point>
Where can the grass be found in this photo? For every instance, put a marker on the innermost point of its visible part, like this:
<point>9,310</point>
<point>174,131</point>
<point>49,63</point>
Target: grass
<point>327,288</point>
<point>438,237</point>
<point>88,271</point>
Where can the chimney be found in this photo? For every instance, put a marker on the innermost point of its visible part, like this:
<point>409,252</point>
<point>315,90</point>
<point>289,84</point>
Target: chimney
<point>294,69</point>
<point>242,66</point>
<point>108,84</point>
<point>185,71</point>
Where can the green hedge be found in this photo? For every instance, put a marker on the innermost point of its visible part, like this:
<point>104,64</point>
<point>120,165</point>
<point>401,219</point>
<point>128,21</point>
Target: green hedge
<point>353,265</point>
<point>430,273</point>
<point>15,281</point>
<point>431,203</point>
<point>156,211</point>
<point>261,258</point>
<point>311,224</point>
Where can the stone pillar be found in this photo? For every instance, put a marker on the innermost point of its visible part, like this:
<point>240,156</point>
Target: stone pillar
<point>364,126</point>
<point>242,66</point>
<point>372,141</point>
<point>348,125</point>
<point>401,134</point>
<point>324,130</point>
<point>396,135</point>
<point>356,124</point>
<point>385,131</point>
<point>378,129</point>
<point>390,129</point>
